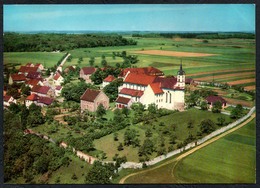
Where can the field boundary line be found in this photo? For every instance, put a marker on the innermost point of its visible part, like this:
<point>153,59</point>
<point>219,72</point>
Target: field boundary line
<point>194,149</point>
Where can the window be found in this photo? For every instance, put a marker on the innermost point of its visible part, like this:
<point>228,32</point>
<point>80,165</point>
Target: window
<point>170,98</point>
<point>166,97</point>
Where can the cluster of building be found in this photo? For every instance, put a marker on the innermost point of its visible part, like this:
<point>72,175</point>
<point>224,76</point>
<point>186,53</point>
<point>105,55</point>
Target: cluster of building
<point>42,92</point>
<point>146,85</point>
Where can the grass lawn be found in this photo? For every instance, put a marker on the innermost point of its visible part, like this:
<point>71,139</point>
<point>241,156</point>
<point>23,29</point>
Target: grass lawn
<point>77,166</point>
<point>48,59</point>
<point>230,159</point>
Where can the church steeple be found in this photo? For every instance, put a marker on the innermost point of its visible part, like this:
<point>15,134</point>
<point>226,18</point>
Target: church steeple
<point>181,77</point>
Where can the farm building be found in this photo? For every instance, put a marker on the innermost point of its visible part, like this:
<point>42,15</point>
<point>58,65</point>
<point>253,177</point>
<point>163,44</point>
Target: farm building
<point>58,79</point>
<point>108,80</point>
<point>91,99</point>
<point>38,100</point>
<point>42,91</point>
<point>212,99</point>
<point>69,69</point>
<point>25,70</point>
<point>8,100</point>
<point>86,72</point>
<point>165,92</point>
<point>17,78</point>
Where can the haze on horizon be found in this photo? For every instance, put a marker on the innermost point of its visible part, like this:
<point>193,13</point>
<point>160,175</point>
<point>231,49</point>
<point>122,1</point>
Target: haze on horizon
<point>130,17</point>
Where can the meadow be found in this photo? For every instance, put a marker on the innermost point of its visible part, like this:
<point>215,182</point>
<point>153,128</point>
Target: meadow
<point>230,159</point>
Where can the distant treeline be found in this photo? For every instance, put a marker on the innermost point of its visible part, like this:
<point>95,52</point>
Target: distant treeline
<point>15,42</point>
<point>198,35</point>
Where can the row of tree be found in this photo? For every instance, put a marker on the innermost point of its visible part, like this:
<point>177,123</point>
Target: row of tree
<point>16,42</point>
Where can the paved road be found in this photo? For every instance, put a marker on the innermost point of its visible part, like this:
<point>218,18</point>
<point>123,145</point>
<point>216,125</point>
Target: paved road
<point>192,150</point>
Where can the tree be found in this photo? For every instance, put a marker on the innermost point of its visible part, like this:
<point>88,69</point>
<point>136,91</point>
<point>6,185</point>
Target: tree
<point>13,92</point>
<point>207,126</point>
<point>148,133</point>
<point>190,124</point>
<point>99,174</point>
<point>111,90</point>
<point>152,109</point>
<point>147,148</point>
<point>118,116</point>
<point>104,63</point>
<point>237,112</point>
<point>120,147</point>
<point>25,90</point>
<point>203,105</point>
<point>115,136</point>
<point>221,120</point>
<point>101,111</point>
<point>129,136</point>
<point>125,111</point>
<point>217,106</point>
<point>91,61</point>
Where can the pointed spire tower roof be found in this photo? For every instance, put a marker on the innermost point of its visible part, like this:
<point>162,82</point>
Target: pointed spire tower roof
<point>181,72</point>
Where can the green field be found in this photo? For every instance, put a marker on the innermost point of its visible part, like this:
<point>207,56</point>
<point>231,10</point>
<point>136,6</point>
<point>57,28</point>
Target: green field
<point>48,59</point>
<point>231,54</point>
<point>230,159</point>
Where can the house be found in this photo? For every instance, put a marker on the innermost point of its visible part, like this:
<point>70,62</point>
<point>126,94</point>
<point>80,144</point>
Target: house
<point>165,92</point>
<point>58,90</point>
<point>17,78</point>
<point>29,65</point>
<point>42,91</point>
<point>108,80</point>
<point>33,82</point>
<point>58,79</point>
<point>38,100</point>
<point>69,69</point>
<point>86,72</point>
<point>40,66</point>
<point>31,99</point>
<point>8,100</point>
<point>91,99</point>
<point>25,70</point>
<point>34,75</point>
<point>212,99</point>
<point>144,70</point>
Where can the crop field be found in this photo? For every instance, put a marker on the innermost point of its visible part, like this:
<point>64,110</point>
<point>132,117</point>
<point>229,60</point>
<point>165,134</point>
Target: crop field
<point>224,57</point>
<point>231,159</point>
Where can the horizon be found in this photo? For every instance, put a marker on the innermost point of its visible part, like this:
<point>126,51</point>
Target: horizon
<point>130,18</point>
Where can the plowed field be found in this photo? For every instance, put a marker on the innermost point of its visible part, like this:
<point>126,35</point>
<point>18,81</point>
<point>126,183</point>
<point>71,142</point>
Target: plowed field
<point>209,78</point>
<point>173,53</point>
<point>242,81</point>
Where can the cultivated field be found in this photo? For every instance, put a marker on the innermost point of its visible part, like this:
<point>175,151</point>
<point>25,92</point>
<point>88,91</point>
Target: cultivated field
<point>219,56</point>
<point>230,159</point>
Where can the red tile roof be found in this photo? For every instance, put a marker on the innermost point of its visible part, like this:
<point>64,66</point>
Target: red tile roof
<point>131,92</point>
<point>40,89</point>
<point>90,95</point>
<point>33,75</point>
<point>143,70</point>
<point>32,82</point>
<point>167,82</point>
<point>32,97</point>
<point>18,77</point>
<point>156,87</point>
<point>139,79</point>
<point>109,78</point>
<point>45,100</point>
<point>88,70</point>
<point>122,100</point>
<point>188,80</point>
<point>7,98</point>
<point>56,76</point>
<point>29,64</point>
<point>213,99</point>
<point>25,69</point>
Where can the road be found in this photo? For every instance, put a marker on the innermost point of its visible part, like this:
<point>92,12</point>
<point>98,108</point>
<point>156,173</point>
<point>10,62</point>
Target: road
<point>192,150</point>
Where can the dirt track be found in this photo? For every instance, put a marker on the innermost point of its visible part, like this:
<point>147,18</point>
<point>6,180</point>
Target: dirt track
<point>173,53</point>
<point>192,150</point>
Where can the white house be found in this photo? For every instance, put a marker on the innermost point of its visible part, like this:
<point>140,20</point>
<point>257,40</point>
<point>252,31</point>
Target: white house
<point>58,90</point>
<point>165,92</point>
<point>58,79</point>
<point>8,100</point>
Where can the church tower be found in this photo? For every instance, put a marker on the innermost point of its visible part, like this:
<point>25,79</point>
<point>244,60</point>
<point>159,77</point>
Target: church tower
<point>181,77</point>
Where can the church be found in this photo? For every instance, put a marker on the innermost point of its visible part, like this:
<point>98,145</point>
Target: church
<point>165,92</point>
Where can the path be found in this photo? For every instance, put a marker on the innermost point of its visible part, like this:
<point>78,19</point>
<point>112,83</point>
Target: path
<point>192,150</point>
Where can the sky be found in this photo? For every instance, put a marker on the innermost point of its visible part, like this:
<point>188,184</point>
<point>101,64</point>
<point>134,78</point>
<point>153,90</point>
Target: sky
<point>170,17</point>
